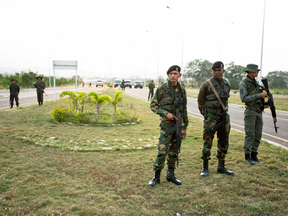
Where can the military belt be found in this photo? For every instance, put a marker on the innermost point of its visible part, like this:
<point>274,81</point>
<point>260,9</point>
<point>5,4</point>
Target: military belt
<point>214,111</point>
<point>256,109</point>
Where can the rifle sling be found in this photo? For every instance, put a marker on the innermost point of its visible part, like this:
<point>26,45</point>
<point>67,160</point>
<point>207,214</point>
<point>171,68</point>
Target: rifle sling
<point>217,95</point>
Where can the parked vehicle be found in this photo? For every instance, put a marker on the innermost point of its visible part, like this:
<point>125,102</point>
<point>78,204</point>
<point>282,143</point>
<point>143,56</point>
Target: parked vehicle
<point>128,83</point>
<point>99,83</point>
<point>138,84</point>
<point>117,82</point>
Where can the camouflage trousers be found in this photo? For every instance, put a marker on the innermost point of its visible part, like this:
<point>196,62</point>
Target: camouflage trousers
<point>208,135</point>
<point>253,123</point>
<point>12,96</point>
<point>40,97</point>
<point>150,93</point>
<point>167,146</point>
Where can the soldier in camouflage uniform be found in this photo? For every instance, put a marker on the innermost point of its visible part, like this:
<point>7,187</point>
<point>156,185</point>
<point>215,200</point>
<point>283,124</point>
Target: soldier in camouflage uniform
<point>14,92</point>
<point>123,85</point>
<point>210,107</point>
<point>182,84</point>
<point>164,104</point>
<point>151,89</point>
<point>41,86</point>
<point>251,94</point>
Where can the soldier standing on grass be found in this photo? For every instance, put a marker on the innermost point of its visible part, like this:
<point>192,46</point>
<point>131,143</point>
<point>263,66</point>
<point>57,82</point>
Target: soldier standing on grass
<point>164,103</point>
<point>211,108</point>
<point>40,85</point>
<point>123,85</point>
<point>251,95</point>
<point>14,92</point>
<point>151,89</point>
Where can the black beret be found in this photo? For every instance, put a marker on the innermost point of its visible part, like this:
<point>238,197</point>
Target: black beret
<point>174,68</point>
<point>218,64</point>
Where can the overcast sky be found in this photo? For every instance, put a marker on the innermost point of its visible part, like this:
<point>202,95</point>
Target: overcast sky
<point>128,37</point>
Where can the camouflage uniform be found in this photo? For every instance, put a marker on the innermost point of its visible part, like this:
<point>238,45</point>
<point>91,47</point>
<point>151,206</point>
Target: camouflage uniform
<point>14,92</point>
<point>123,85</point>
<point>151,90</point>
<point>209,105</point>
<point>41,85</point>
<point>164,102</point>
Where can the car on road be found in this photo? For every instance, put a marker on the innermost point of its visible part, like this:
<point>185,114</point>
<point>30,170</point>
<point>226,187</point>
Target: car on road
<point>128,83</point>
<point>99,83</point>
<point>138,84</point>
<point>117,82</point>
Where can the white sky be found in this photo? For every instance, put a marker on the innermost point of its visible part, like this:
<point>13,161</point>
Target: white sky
<point>112,35</point>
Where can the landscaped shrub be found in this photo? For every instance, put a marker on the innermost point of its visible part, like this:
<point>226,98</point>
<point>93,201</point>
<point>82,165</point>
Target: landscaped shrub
<point>61,114</point>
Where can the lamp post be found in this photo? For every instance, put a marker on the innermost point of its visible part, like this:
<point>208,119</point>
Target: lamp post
<point>260,77</point>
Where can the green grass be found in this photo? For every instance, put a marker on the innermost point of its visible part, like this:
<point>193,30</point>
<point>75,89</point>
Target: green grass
<point>46,180</point>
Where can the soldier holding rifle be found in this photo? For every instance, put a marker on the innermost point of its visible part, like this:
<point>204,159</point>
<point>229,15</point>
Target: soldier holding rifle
<point>251,94</point>
<point>40,86</point>
<point>14,92</point>
<point>212,103</point>
<point>170,103</point>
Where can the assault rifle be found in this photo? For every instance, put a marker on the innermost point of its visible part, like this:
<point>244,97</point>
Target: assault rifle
<point>39,88</point>
<point>270,102</point>
<point>222,123</point>
<point>177,128</point>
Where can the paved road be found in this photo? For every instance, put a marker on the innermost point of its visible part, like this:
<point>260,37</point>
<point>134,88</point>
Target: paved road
<point>237,118</point>
<point>28,97</point>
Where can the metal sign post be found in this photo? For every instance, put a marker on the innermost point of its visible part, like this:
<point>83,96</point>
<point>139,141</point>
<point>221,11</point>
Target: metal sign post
<point>64,65</point>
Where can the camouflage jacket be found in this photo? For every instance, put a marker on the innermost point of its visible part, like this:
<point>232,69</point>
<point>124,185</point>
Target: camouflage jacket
<point>41,85</point>
<point>14,89</point>
<point>151,86</point>
<point>165,100</point>
<point>207,100</point>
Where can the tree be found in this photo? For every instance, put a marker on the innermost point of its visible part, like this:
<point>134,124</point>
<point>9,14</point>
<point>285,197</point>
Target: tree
<point>234,73</point>
<point>278,79</point>
<point>199,70</point>
<point>115,101</point>
<point>98,101</point>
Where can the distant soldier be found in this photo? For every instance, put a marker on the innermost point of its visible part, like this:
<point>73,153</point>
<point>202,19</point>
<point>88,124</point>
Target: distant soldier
<point>14,92</point>
<point>182,84</point>
<point>83,84</point>
<point>123,85</point>
<point>151,89</point>
<point>40,85</point>
<point>213,96</point>
<point>251,95</point>
<point>168,100</point>
<point>90,84</point>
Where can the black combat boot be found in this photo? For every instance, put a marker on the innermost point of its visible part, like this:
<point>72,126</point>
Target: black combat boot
<point>171,177</point>
<point>221,168</point>
<point>254,157</point>
<point>11,106</point>
<point>39,103</point>
<point>205,171</point>
<point>248,159</point>
<point>17,105</point>
<point>156,179</point>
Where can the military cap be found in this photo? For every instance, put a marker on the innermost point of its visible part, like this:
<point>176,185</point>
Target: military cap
<point>14,79</point>
<point>174,68</point>
<point>217,64</point>
<point>252,68</point>
<point>39,77</point>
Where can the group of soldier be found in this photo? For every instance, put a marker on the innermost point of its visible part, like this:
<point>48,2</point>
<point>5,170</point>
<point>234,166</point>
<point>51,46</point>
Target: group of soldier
<point>15,90</point>
<point>170,99</point>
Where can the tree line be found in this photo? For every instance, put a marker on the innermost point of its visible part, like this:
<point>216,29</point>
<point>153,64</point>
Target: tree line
<point>26,79</point>
<point>199,70</point>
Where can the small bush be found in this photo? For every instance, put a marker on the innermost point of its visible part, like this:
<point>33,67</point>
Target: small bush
<point>61,114</point>
<point>125,116</point>
<point>83,117</point>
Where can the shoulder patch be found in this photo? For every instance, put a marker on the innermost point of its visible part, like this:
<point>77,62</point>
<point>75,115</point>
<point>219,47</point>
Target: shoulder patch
<point>241,91</point>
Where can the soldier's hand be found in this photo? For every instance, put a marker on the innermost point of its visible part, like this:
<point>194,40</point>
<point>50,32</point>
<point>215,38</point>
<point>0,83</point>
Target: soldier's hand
<point>266,106</point>
<point>263,95</point>
<point>184,134</point>
<point>170,116</point>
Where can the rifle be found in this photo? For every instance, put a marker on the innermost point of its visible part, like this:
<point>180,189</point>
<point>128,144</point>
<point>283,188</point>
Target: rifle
<point>177,128</point>
<point>39,88</point>
<point>270,102</point>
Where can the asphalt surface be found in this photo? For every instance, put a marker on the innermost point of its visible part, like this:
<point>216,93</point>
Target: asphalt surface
<point>28,97</point>
<point>236,113</point>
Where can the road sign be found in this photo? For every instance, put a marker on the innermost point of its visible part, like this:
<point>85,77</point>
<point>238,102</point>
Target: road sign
<point>64,65</point>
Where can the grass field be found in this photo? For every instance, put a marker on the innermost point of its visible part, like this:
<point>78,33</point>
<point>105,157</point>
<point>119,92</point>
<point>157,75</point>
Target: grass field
<point>38,179</point>
<point>280,102</point>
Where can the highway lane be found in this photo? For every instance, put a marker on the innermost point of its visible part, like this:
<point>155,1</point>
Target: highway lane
<point>236,113</point>
<point>28,97</point>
